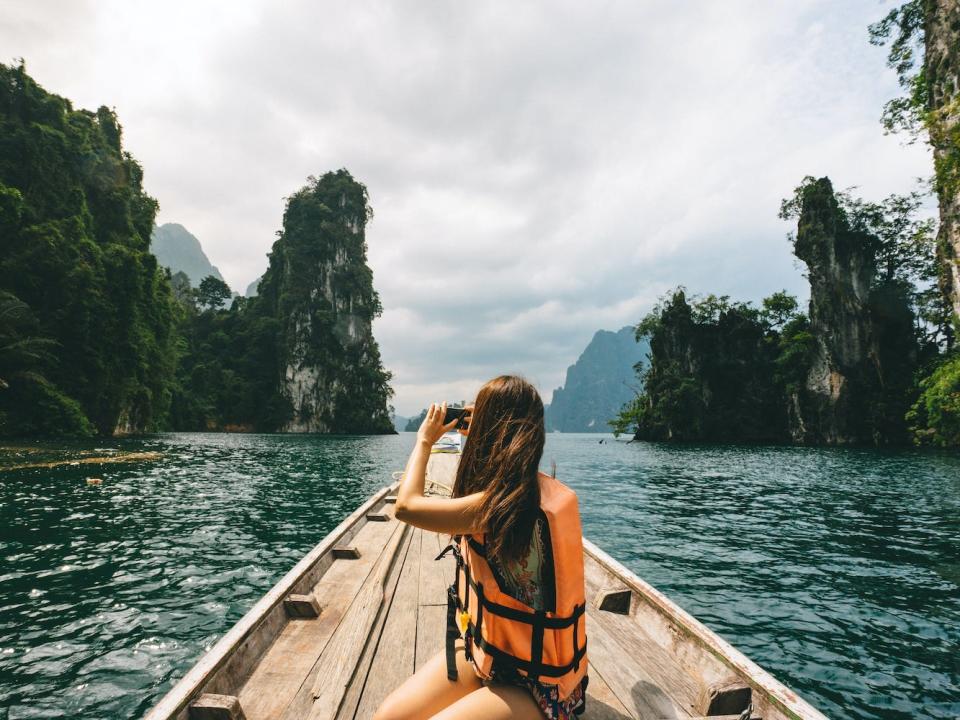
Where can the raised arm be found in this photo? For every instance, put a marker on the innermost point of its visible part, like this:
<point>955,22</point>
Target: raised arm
<point>446,515</point>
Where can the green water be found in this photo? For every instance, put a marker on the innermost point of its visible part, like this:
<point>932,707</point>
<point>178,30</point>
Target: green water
<point>837,570</point>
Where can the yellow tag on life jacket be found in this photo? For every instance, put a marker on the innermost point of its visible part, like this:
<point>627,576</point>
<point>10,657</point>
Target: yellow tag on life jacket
<point>464,619</point>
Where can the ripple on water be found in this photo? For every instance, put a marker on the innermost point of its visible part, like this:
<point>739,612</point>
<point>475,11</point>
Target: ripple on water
<point>838,570</point>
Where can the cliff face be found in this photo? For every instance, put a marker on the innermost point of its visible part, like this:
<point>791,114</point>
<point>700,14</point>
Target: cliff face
<point>75,226</point>
<point>179,250</point>
<point>320,289</point>
<point>598,384</point>
<point>942,66</point>
<point>855,377</point>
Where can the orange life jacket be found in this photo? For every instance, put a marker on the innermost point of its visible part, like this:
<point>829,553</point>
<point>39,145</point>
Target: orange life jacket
<point>549,645</point>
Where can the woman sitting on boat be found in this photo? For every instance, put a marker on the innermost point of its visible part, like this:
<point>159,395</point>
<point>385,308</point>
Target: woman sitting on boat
<point>516,640</point>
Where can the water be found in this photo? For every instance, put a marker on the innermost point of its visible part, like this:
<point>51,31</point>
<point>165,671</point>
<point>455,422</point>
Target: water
<point>838,570</point>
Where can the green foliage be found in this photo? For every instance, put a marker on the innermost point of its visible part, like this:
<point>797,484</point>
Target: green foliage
<point>76,227</point>
<point>934,418</point>
<point>715,369</point>
<point>903,28</point>
<point>901,243</point>
<point>213,292</point>
<point>233,361</point>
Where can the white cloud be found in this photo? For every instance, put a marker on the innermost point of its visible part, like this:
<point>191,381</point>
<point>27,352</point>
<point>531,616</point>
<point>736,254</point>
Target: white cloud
<point>537,170</point>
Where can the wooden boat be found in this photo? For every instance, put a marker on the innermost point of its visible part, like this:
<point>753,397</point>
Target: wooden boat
<point>366,607</point>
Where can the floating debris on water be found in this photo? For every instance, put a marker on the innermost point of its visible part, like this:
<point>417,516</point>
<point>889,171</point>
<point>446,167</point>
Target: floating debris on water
<point>94,481</point>
<point>121,457</point>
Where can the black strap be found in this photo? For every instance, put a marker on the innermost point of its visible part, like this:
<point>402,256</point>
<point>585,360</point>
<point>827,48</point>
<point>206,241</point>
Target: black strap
<point>576,660</point>
<point>536,645</point>
<point>452,634</point>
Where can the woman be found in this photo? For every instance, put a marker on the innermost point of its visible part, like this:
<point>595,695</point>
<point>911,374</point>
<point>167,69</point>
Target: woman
<point>518,530</point>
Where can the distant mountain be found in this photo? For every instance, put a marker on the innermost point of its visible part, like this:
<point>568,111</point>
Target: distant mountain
<point>399,422</point>
<point>252,287</point>
<point>598,384</point>
<point>177,249</point>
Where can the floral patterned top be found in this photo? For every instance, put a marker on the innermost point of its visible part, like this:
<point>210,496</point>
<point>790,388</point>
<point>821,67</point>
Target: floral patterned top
<point>523,580</point>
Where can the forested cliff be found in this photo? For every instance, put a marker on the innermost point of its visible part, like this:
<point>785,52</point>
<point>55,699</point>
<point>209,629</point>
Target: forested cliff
<point>842,373</point>
<point>320,290</point>
<point>97,338</point>
<point>87,331</point>
<point>300,356</point>
<point>874,360</point>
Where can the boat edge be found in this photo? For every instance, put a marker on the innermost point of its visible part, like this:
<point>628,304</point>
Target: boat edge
<point>177,698</point>
<point>761,680</point>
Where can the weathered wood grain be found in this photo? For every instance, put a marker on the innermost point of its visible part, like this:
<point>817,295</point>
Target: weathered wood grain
<point>337,666</point>
<point>621,669</point>
<point>602,702</point>
<point>431,626</point>
<point>302,606</point>
<point>283,669</point>
<point>239,651</point>
<point>659,668</point>
<point>216,707</point>
<point>351,698</point>
<point>435,575</point>
<point>395,655</point>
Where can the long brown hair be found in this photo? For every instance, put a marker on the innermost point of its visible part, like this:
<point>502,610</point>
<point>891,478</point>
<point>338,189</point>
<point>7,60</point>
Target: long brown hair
<point>501,457</point>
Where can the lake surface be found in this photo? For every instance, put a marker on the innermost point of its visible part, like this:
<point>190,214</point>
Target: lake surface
<point>837,570</point>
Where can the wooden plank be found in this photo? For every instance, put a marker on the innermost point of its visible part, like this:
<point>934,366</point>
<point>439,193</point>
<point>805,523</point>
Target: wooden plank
<point>699,649</point>
<point>431,626</point>
<point>435,575</point>
<point>660,668</point>
<point>630,682</point>
<point>302,606</point>
<point>216,707</point>
<point>394,658</point>
<point>331,676</point>
<point>283,669</point>
<point>174,703</point>
<point>602,702</point>
<point>348,706</point>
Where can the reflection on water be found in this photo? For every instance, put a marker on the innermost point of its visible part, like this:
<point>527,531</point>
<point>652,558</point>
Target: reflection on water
<point>838,570</point>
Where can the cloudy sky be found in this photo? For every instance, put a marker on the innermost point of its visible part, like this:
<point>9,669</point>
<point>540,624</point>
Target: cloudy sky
<point>538,170</point>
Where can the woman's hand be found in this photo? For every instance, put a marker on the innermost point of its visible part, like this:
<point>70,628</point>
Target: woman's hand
<point>432,427</point>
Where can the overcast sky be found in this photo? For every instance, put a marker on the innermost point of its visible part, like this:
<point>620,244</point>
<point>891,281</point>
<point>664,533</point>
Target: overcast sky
<point>538,170</point>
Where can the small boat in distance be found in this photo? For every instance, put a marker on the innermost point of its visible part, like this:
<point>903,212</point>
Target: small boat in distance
<point>367,606</point>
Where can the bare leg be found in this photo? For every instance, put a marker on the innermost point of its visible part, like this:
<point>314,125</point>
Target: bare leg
<point>428,691</point>
<point>493,702</point>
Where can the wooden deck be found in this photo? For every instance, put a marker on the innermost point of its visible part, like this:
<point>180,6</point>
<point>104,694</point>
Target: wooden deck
<point>382,600</point>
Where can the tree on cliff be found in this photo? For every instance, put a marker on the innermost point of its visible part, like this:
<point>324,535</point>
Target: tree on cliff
<point>845,373</point>
<point>924,49</point>
<point>863,262</point>
<point>717,370</point>
<point>75,226</point>
<point>924,39</point>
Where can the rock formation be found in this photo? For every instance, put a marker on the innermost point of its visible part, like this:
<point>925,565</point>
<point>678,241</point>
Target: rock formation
<point>598,384</point>
<point>855,381</point>
<point>320,289</point>
<point>942,67</point>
